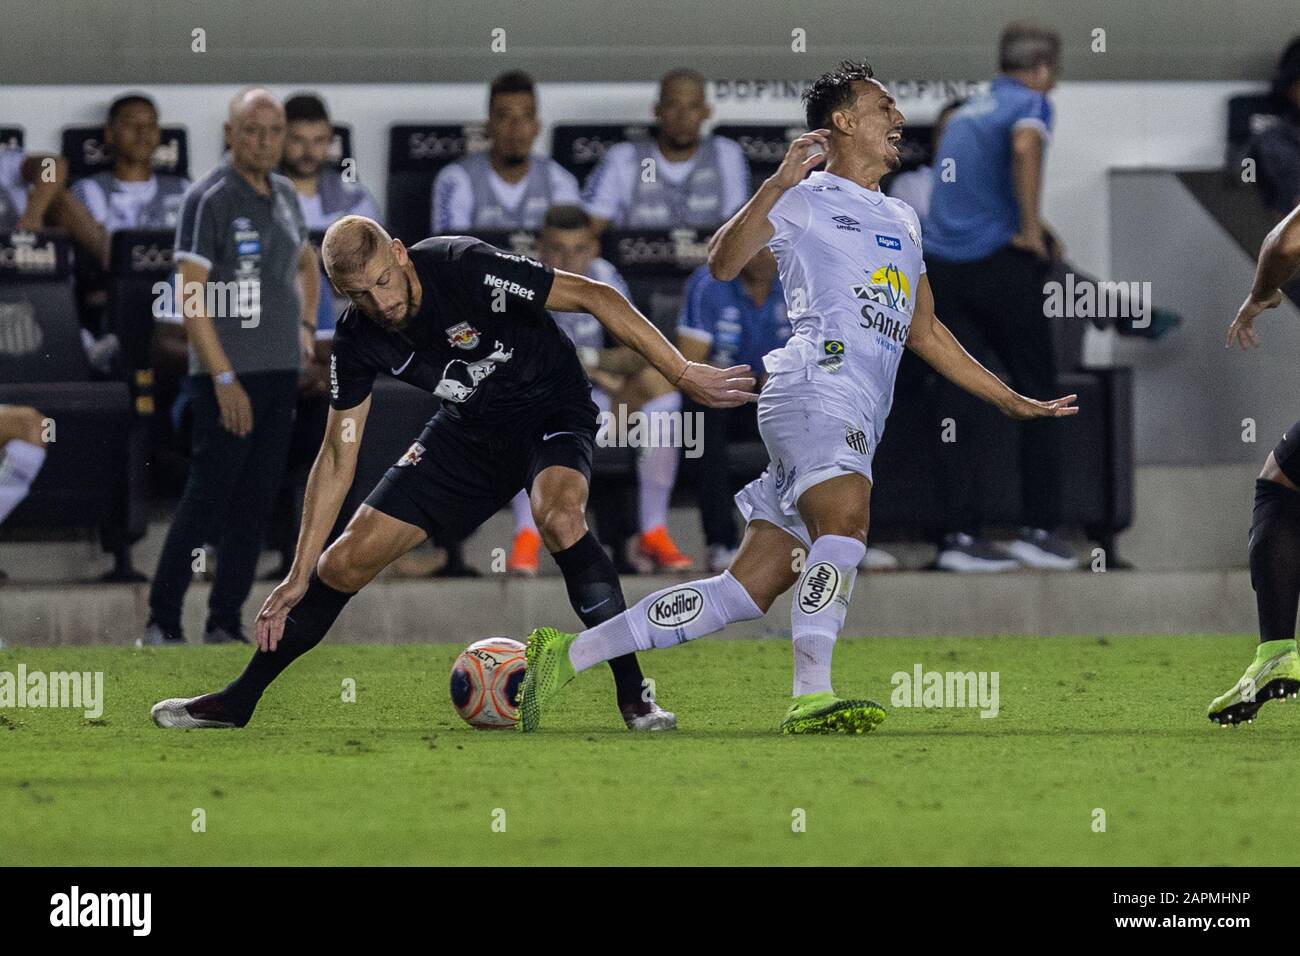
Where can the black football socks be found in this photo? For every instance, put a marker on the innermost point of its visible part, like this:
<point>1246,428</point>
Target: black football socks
<point>304,628</point>
<point>1275,559</point>
<point>597,596</point>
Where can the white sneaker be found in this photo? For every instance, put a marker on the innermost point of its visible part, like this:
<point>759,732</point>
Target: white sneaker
<point>967,555</point>
<point>656,719</point>
<point>1036,548</point>
<point>720,558</point>
<point>172,713</point>
<point>876,560</point>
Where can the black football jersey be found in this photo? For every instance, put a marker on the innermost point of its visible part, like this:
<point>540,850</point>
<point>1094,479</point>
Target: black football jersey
<point>482,339</point>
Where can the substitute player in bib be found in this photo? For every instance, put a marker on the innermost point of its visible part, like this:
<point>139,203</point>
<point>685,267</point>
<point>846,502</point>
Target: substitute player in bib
<point>469,323</point>
<point>1274,543</point>
<point>850,263</point>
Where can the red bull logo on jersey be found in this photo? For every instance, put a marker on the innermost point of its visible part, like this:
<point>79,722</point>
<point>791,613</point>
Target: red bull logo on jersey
<point>463,335</point>
<point>412,456</point>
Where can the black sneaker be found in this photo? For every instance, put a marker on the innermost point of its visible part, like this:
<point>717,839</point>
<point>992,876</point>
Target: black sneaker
<point>155,635</point>
<point>967,554</point>
<point>1043,551</point>
<point>220,635</point>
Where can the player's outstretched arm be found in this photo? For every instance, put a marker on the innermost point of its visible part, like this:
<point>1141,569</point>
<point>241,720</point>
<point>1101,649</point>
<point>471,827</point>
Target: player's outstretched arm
<point>934,342</point>
<point>1279,258</point>
<point>327,486</point>
<point>749,230</point>
<point>714,387</point>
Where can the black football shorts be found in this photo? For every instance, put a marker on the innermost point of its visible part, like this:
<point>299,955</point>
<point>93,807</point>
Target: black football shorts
<point>1287,453</point>
<point>458,474</point>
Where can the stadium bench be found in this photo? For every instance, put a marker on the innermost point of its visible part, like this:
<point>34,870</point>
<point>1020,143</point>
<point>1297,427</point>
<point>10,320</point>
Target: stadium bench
<point>139,259</point>
<point>416,153</point>
<point>87,153</point>
<point>43,364</point>
<point>764,145</point>
<point>655,263</point>
<point>579,147</point>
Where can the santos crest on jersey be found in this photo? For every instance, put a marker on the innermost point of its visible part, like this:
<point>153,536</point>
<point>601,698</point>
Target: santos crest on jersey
<point>850,263</point>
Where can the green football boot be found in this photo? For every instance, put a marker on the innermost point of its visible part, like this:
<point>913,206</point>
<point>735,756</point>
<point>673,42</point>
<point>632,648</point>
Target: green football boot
<point>1275,675</point>
<point>824,713</point>
<point>548,669</point>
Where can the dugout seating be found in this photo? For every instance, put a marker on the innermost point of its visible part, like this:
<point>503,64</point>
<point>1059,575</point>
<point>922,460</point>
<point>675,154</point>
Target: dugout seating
<point>139,260</point>
<point>579,147</point>
<point>11,137</point>
<point>43,364</point>
<point>87,153</point>
<point>416,153</point>
<point>1097,461</point>
<point>655,263</point>
<point>764,145</point>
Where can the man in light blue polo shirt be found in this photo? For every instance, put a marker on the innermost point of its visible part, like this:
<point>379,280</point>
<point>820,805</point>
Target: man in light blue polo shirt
<point>986,256</point>
<point>726,324</point>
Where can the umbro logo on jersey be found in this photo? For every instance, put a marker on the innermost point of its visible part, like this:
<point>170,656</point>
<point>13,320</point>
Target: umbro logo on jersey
<point>856,438</point>
<point>889,242</point>
<point>847,223</point>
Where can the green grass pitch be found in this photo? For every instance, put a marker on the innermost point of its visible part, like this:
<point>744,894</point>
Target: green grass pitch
<point>1085,724</point>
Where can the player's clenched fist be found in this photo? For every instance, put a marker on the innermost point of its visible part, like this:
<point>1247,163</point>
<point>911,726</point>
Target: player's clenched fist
<point>804,155</point>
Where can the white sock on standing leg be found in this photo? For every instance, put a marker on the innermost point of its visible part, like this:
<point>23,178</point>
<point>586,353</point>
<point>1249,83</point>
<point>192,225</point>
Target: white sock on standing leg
<point>20,461</point>
<point>821,601</point>
<point>657,463</point>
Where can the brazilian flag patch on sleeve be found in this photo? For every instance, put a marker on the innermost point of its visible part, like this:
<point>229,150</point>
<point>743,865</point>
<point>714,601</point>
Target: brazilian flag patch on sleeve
<point>833,347</point>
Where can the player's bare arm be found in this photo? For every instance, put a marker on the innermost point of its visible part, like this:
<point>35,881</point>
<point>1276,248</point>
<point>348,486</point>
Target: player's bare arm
<point>717,388</point>
<point>749,230</point>
<point>932,341</point>
<point>309,283</point>
<point>1027,175</point>
<point>1279,258</point>
<point>232,400</point>
<point>327,486</point>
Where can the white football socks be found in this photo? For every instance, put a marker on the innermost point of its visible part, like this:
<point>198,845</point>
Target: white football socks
<point>657,463</point>
<point>669,616</point>
<point>522,509</point>
<point>20,461</point>
<point>820,603</point>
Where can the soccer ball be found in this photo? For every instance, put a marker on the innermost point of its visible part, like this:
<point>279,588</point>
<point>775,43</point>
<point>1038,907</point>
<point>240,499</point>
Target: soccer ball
<point>485,680</point>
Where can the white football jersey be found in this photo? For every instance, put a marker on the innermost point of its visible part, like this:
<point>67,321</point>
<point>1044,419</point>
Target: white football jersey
<point>850,263</point>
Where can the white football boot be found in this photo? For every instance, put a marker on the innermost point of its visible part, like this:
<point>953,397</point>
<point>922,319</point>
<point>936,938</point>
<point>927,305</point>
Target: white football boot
<point>656,719</point>
<point>172,713</point>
